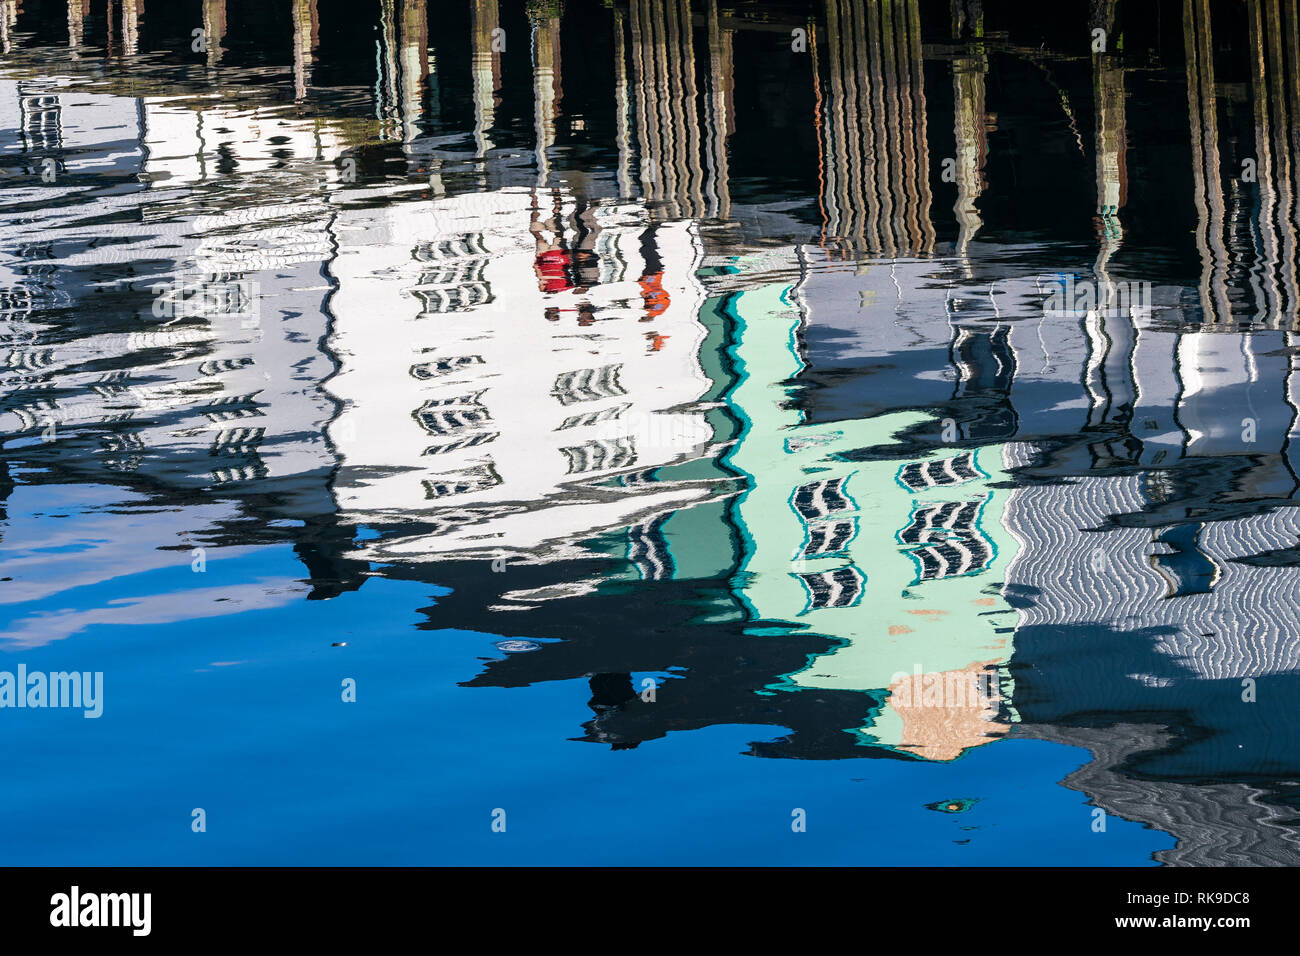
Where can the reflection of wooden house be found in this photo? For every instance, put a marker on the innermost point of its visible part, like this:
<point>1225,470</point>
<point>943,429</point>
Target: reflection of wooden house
<point>229,321</point>
<point>482,379</point>
<point>894,555</point>
<point>1133,394</point>
<point>1204,588</point>
<point>879,339</point>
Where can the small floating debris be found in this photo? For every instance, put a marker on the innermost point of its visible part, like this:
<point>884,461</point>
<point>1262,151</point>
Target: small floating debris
<point>951,806</point>
<point>517,647</point>
<point>339,644</point>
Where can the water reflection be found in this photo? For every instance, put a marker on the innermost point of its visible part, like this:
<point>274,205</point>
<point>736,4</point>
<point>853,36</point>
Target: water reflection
<point>874,157</point>
<point>714,355</point>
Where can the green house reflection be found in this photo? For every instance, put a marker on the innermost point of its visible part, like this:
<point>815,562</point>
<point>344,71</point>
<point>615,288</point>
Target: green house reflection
<point>898,557</point>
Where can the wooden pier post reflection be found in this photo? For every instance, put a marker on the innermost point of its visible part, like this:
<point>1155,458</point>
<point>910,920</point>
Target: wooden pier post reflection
<point>1111,133</point>
<point>547,91</point>
<point>970,123</point>
<point>305,40</point>
<point>413,65</point>
<point>622,108</point>
<point>721,119</point>
<point>386,99</point>
<point>667,122</point>
<point>8,16</point>
<point>485,61</point>
<point>872,142</point>
<point>214,29</point>
<point>132,10</point>
<point>1112,334</point>
<point>1208,188</point>
<point>1235,235</point>
<point>76,24</point>
<point>1274,56</point>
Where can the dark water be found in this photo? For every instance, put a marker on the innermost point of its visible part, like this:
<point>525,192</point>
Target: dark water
<point>841,432</point>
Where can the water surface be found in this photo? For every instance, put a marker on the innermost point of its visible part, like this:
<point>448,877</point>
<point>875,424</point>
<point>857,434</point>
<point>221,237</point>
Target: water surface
<point>648,433</point>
